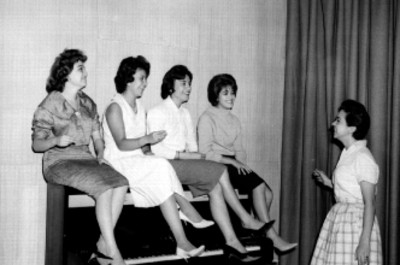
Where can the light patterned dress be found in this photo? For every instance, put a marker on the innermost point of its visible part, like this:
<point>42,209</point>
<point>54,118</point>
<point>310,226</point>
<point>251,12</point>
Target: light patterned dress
<point>151,179</point>
<point>340,233</point>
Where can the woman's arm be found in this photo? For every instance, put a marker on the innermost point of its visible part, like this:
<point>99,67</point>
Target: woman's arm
<point>240,152</point>
<point>368,193</point>
<point>321,177</point>
<point>116,124</point>
<point>98,145</point>
<point>191,143</point>
<point>206,139</point>
<point>42,145</point>
<point>43,138</point>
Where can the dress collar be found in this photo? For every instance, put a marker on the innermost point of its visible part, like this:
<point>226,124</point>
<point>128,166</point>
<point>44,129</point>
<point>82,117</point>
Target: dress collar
<point>171,104</point>
<point>355,146</point>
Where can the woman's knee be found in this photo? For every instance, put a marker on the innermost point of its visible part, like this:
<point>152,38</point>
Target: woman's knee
<point>224,177</point>
<point>268,192</point>
<point>216,191</point>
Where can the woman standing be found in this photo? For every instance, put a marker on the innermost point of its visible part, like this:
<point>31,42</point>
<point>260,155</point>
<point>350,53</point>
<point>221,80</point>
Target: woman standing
<point>63,125</point>
<point>152,180</point>
<point>220,139</point>
<point>350,233</point>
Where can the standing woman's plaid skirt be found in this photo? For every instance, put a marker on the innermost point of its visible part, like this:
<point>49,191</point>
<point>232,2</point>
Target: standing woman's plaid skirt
<point>340,234</point>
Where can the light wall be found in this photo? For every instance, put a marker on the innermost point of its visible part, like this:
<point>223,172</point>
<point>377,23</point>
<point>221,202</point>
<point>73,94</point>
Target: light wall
<point>244,38</point>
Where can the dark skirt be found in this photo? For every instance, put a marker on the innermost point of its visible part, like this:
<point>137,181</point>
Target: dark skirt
<point>200,176</point>
<point>244,183</point>
<point>85,175</point>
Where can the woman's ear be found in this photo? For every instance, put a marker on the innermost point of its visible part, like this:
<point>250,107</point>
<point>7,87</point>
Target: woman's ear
<point>352,129</point>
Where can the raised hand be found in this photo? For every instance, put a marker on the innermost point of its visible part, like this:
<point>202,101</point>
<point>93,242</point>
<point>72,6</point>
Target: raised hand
<point>322,178</point>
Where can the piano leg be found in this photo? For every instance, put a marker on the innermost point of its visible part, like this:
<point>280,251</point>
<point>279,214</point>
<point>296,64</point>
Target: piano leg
<point>56,204</point>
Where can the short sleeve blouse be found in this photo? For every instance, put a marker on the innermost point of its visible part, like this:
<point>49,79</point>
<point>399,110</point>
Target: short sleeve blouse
<point>356,164</point>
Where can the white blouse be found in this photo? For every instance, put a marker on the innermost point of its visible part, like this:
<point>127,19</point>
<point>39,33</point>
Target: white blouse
<point>178,125</point>
<point>356,164</point>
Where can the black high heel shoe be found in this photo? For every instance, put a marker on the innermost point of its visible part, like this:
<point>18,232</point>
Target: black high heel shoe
<point>261,232</point>
<point>233,255</point>
<point>98,255</point>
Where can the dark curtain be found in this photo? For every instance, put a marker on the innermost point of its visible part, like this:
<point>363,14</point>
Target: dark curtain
<point>338,49</point>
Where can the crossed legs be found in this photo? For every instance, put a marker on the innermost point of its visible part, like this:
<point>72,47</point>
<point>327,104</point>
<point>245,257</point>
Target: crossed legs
<point>233,201</point>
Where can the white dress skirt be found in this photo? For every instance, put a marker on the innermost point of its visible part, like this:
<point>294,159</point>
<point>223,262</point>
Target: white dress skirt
<point>152,180</point>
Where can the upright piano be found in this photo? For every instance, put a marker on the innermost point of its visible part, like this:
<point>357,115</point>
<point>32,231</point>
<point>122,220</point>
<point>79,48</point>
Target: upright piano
<point>142,235</point>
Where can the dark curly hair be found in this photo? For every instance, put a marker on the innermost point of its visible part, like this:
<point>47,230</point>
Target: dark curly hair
<point>62,67</point>
<point>127,69</point>
<point>357,116</point>
<point>217,83</point>
<point>177,72</point>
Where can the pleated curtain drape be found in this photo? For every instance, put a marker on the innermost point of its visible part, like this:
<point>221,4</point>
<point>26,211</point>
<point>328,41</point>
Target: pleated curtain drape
<point>338,49</point>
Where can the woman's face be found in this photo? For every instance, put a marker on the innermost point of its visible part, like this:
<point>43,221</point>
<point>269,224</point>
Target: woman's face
<point>182,89</point>
<point>139,83</point>
<point>78,75</point>
<point>340,128</point>
<point>226,98</point>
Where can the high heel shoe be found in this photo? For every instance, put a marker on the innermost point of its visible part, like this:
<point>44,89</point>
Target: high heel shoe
<point>199,225</point>
<point>190,254</point>
<point>235,256</point>
<point>93,260</point>
<point>261,231</point>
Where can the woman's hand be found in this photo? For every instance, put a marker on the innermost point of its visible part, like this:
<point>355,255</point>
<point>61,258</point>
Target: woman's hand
<point>100,158</point>
<point>362,253</point>
<point>322,178</point>
<point>243,169</point>
<point>156,136</point>
<point>64,140</point>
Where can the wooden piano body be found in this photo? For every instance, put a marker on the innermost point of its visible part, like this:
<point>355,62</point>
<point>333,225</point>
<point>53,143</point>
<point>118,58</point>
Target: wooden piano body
<point>142,235</point>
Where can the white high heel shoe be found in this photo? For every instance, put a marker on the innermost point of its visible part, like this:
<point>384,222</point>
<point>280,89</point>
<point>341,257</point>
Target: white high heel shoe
<point>190,254</point>
<point>199,225</point>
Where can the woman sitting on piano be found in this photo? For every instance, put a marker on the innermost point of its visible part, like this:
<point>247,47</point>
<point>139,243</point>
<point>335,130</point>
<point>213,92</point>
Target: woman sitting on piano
<point>220,139</point>
<point>63,125</point>
<point>152,180</point>
<point>202,176</point>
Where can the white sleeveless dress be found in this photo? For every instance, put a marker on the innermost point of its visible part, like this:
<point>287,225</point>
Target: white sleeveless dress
<point>151,179</point>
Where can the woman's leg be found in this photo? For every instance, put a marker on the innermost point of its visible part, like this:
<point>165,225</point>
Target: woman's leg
<point>188,209</point>
<point>220,214</point>
<point>117,203</point>
<point>106,223</point>
<point>262,199</point>
<point>170,213</point>
<point>231,198</point>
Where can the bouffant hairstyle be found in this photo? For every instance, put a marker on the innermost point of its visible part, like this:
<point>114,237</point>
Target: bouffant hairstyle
<point>217,83</point>
<point>127,69</point>
<point>62,67</point>
<point>357,116</point>
<point>177,72</point>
